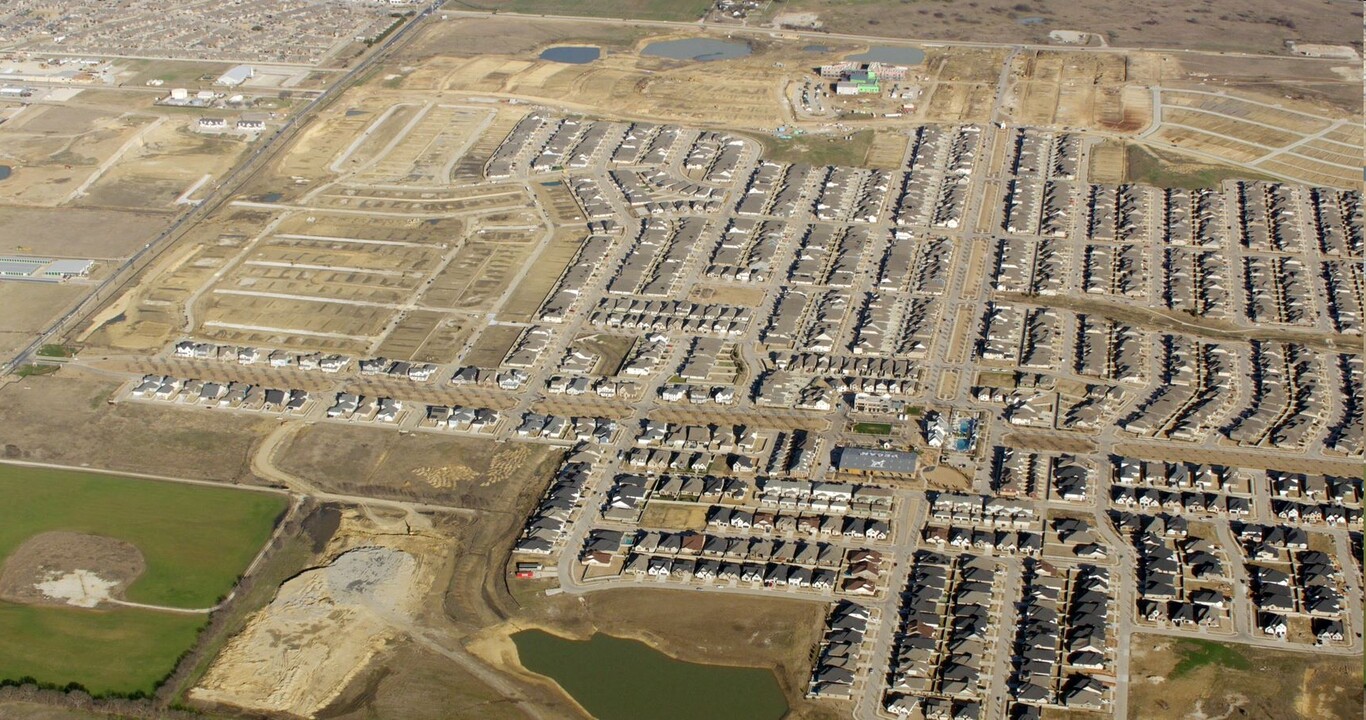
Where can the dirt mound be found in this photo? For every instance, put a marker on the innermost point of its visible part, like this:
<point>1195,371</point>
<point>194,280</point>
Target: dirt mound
<point>68,568</point>
<point>321,629</point>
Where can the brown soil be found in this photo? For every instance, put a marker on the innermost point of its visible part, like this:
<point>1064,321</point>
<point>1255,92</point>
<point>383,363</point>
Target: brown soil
<point>62,552</point>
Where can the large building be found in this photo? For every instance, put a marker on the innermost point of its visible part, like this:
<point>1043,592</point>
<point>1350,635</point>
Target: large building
<point>858,82</point>
<point>23,267</point>
<point>869,461</point>
<point>236,76</point>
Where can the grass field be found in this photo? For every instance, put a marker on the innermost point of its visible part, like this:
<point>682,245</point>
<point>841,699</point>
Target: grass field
<point>873,428</point>
<point>1153,167</point>
<point>121,651</point>
<point>819,149</point>
<point>1199,653</point>
<point>196,542</point>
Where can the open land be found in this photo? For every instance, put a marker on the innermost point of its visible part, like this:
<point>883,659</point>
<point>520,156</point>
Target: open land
<point>1185,679</point>
<point>189,564</point>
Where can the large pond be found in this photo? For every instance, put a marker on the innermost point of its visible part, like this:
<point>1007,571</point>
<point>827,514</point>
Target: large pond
<point>891,54</point>
<point>618,679</point>
<point>572,54</point>
<point>697,49</point>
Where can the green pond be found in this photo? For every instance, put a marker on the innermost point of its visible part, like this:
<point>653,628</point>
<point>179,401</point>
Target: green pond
<point>617,679</point>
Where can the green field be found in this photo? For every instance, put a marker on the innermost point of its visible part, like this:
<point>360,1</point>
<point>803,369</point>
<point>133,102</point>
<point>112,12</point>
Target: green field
<point>873,428</point>
<point>819,149</point>
<point>1198,653</point>
<point>196,541</point>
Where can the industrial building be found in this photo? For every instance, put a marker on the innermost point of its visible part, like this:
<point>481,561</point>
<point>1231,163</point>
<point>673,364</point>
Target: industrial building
<point>39,269</point>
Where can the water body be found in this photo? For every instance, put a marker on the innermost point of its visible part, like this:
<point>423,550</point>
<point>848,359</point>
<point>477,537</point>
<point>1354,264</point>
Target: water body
<point>703,49</point>
<point>5,171</point>
<point>618,679</point>
<point>572,54</point>
<point>891,55</point>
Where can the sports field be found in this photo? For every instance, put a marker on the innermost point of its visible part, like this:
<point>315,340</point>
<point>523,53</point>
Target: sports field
<point>194,542</point>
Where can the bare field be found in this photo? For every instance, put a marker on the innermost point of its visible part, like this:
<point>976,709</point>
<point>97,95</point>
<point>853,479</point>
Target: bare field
<point>527,297</point>
<point>468,472</point>
<point>94,155</point>
<point>509,35</point>
<point>416,683</point>
<point>1245,682</point>
<point>29,307</point>
<point>40,413</point>
<point>492,345</point>
<point>1250,27</point>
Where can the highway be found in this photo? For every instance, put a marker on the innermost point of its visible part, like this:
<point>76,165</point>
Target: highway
<point>129,270</point>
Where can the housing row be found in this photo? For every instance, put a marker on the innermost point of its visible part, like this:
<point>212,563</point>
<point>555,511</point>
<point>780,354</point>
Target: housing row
<point>839,655</point>
<point>656,259</point>
<point>1289,580</point>
<point>1183,580</point>
<point>795,565</point>
<point>745,250</point>
<point>251,356</point>
<point>1019,473</point>
<point>945,639</point>
<point>671,316</point>
<point>548,523</point>
<point>210,393</point>
<point>1044,154</point>
<point>933,192</point>
<point>774,189</point>
<point>1063,650</point>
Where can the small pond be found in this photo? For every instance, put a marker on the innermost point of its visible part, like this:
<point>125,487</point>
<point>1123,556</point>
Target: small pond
<point>5,171</point>
<point>572,54</point>
<point>618,679</point>
<point>890,54</point>
<point>703,49</point>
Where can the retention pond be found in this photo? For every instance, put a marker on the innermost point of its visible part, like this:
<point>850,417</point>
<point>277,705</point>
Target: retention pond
<point>618,679</point>
<point>703,49</point>
<point>572,54</point>
<point>891,55</point>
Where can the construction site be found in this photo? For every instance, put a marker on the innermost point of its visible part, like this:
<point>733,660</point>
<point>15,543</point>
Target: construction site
<point>527,341</point>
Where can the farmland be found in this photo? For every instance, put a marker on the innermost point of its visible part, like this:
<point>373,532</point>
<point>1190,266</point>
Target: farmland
<point>189,563</point>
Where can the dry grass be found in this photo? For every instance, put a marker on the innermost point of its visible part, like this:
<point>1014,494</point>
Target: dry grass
<point>1182,679</point>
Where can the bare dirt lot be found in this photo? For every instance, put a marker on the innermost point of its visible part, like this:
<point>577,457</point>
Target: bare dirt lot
<point>1174,679</point>
<point>467,472</point>
<point>29,307</point>
<point>49,557</point>
<point>76,232</point>
<point>65,419</point>
<point>326,624</point>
